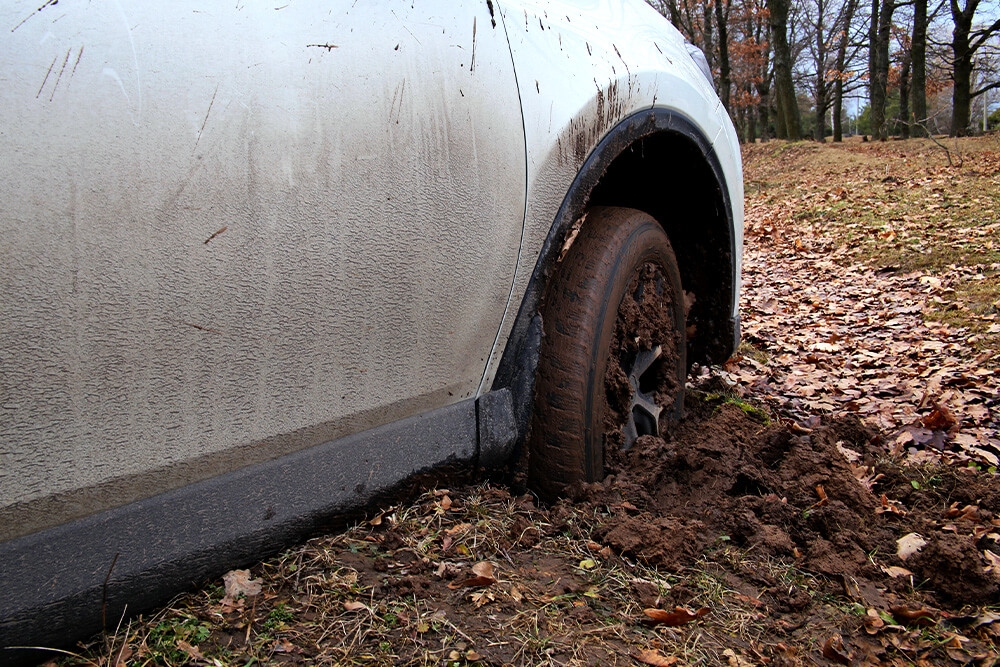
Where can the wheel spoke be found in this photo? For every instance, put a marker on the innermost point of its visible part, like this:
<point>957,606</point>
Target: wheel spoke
<point>644,413</point>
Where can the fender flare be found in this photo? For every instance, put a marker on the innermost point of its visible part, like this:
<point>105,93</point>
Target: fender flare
<point>516,371</point>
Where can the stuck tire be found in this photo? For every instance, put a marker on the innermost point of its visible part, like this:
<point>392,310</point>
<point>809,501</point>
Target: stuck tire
<point>612,364</point>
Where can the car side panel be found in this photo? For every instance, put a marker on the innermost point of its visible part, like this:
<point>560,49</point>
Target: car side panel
<point>233,232</point>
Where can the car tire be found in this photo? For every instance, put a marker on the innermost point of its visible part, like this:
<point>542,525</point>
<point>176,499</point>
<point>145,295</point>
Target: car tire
<point>612,363</point>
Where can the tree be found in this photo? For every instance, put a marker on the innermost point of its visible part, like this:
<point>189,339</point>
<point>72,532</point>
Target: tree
<point>918,63</point>
<point>788,123</point>
<point>966,41</point>
<point>879,34</point>
<point>846,50</point>
<point>722,8</point>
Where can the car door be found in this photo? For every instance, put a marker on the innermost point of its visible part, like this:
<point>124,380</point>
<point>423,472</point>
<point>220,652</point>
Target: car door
<point>232,231</point>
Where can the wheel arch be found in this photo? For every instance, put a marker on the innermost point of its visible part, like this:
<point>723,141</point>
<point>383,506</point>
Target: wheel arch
<point>657,161</point>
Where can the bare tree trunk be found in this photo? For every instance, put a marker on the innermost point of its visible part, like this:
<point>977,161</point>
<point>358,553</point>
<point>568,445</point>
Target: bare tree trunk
<point>918,58</point>
<point>722,22</point>
<point>821,85</point>
<point>838,85</point>
<point>904,97</point>
<point>878,64</point>
<point>788,125</point>
<point>961,48</point>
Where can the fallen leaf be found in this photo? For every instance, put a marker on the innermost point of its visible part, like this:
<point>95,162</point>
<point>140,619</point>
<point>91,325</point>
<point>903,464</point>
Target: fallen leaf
<point>446,503</point>
<point>587,564</point>
<point>483,571</point>
<point>354,605</point>
<point>821,492</point>
<point>909,544</point>
<point>735,660</point>
<point>284,646</point>
<point>967,513</point>
<point>833,649</point>
<point>238,582</point>
<point>940,419</point>
<point>679,616</point>
<point>873,622</point>
<point>993,560</point>
<point>192,652</point>
<point>123,656</point>
<point>895,572</point>
<point>516,594</point>
<point>915,616</point>
<point>890,506</point>
<point>655,658</point>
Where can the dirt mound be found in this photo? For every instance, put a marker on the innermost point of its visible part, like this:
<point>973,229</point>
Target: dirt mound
<point>828,499</point>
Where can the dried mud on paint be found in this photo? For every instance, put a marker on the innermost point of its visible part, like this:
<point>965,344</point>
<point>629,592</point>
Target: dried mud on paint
<point>811,508</point>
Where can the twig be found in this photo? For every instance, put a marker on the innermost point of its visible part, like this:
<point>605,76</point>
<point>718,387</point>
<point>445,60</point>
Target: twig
<point>104,596</point>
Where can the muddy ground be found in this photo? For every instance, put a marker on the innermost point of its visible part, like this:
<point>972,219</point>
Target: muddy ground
<point>758,542</point>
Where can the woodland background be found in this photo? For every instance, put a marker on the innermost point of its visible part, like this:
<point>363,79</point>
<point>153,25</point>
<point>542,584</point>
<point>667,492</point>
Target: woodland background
<point>791,69</point>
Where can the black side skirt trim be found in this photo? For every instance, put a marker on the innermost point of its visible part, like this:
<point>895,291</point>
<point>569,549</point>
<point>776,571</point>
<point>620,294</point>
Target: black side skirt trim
<point>52,581</point>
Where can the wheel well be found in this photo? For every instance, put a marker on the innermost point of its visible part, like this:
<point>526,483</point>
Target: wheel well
<point>666,175</point>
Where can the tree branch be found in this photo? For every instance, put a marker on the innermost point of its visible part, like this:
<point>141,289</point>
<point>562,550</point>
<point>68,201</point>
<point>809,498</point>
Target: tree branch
<point>995,84</point>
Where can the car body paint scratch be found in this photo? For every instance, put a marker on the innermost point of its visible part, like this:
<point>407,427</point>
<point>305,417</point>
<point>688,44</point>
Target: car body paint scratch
<point>25,19</point>
<point>205,121</point>
<point>77,63</point>
<point>41,87</point>
<point>59,78</point>
<point>472,65</point>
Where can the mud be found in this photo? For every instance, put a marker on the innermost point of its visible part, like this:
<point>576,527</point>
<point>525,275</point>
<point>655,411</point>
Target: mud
<point>794,531</point>
<point>644,321</point>
<point>826,504</point>
<point>724,477</point>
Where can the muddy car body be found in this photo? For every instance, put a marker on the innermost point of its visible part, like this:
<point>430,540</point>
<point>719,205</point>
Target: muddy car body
<point>260,263</point>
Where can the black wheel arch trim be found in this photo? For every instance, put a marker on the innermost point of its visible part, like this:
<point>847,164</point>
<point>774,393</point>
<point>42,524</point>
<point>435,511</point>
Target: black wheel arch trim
<point>519,361</point>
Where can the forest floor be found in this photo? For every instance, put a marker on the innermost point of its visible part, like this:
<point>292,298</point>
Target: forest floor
<point>830,498</point>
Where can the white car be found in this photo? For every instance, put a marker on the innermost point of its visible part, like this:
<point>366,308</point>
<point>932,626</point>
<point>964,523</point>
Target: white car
<point>261,261</point>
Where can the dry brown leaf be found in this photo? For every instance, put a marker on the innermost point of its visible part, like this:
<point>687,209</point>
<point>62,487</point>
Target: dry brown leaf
<point>193,652</point>
<point>446,503</point>
<point>914,616</point>
<point>821,492</point>
<point>238,582</point>
<point>967,513</point>
<point>833,649</point>
<point>940,418</point>
<point>895,571</point>
<point>909,544</point>
<point>655,658</point>
<point>122,656</point>
<point>873,622</point>
<point>354,605</point>
<point>890,506</point>
<point>679,616</point>
<point>484,577</point>
<point>284,646</point>
<point>993,560</point>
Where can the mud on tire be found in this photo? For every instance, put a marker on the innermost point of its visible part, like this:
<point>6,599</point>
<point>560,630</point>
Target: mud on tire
<point>612,363</point>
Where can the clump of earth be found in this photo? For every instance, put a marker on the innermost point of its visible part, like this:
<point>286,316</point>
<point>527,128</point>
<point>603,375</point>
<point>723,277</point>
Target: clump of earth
<point>829,499</point>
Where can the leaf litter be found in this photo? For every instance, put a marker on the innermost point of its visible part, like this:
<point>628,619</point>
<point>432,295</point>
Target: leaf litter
<point>828,498</point>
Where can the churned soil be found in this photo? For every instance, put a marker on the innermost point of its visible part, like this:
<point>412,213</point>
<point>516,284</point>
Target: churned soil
<point>733,540</point>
